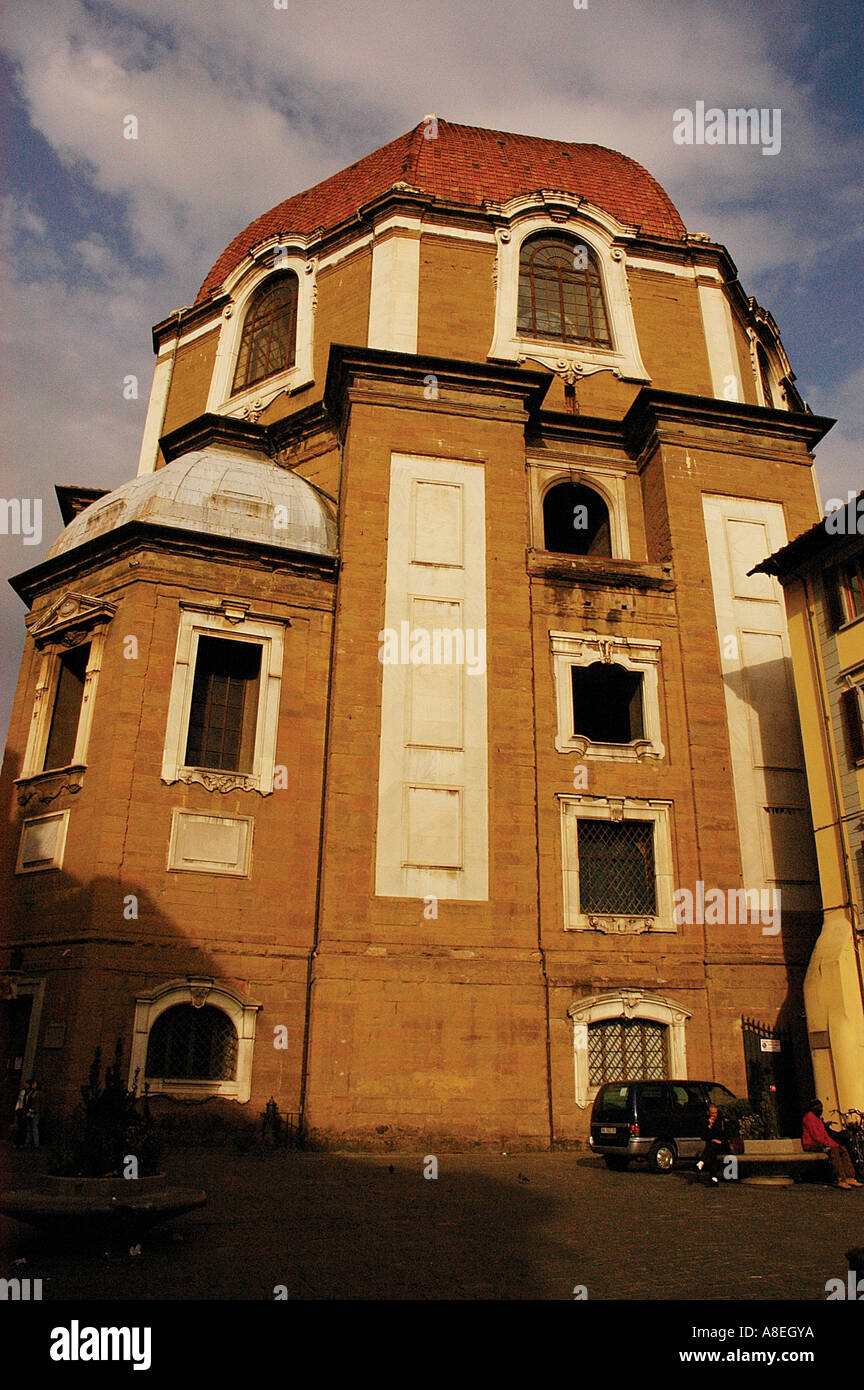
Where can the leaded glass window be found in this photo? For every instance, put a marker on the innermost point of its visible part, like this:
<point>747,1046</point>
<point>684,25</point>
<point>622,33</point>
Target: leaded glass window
<point>561,293</point>
<point>269,334</point>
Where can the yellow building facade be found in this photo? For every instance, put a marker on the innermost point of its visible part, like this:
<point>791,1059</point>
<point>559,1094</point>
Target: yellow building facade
<point>821,573</point>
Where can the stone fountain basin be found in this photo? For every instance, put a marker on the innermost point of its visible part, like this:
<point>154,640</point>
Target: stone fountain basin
<point>82,1204</point>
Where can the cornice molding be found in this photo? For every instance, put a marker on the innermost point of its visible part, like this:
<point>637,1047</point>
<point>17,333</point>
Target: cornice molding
<point>187,318</point>
<point>657,414</point>
<point>347,364</point>
<point>211,428</point>
<point>145,536</point>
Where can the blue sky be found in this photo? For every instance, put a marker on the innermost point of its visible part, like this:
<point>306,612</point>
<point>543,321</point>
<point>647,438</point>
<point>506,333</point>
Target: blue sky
<point>240,105</point>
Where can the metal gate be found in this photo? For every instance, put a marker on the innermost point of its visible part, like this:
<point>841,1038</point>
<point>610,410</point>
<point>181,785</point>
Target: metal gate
<point>772,1085</point>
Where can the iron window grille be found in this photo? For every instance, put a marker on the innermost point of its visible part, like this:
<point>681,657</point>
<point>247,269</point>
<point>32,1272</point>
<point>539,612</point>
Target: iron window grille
<point>624,1049</point>
<point>189,1044</point>
<point>557,300</point>
<point>616,867</point>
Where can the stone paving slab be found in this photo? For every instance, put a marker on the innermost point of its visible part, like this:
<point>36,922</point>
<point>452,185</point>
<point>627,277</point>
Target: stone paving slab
<point>526,1226</point>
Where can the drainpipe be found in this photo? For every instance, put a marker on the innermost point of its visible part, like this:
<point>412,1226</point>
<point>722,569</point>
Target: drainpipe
<point>313,954</point>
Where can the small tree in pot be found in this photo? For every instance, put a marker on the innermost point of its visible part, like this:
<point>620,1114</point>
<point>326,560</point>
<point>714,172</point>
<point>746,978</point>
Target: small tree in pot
<point>112,1124</point>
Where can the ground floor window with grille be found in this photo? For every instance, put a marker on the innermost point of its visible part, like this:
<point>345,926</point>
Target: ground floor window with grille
<point>189,1044</point>
<point>627,1049</point>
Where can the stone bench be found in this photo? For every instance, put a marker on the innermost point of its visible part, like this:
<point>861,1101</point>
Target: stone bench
<point>785,1156</point>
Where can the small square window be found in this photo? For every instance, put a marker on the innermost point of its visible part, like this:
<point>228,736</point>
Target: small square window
<point>607,696</point>
<point>607,703</point>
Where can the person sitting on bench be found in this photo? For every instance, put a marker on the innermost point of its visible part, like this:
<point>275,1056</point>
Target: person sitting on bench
<point>816,1139</point>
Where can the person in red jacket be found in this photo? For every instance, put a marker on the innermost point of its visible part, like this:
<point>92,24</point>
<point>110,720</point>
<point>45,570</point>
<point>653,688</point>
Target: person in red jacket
<point>816,1139</point>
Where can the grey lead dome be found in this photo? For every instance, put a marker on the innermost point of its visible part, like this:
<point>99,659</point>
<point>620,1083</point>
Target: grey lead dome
<point>217,491</point>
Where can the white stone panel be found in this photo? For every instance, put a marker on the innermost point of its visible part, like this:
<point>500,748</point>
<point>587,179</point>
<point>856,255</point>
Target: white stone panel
<point>210,844</point>
<point>432,836</point>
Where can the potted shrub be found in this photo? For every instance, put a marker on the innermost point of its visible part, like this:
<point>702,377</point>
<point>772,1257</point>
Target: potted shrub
<point>103,1181</point>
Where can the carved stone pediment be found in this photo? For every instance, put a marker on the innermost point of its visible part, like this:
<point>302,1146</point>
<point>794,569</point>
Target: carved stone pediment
<point>68,621</point>
<point>45,787</point>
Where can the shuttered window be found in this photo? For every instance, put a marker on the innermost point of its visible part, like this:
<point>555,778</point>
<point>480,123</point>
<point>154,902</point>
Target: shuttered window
<point>850,704</point>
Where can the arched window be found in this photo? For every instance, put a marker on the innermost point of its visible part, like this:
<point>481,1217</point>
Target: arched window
<point>561,293</point>
<point>269,334</point>
<point>575,521</point>
<point>189,1044</point>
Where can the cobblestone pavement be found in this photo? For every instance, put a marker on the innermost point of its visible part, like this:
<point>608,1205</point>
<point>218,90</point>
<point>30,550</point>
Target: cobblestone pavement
<point>525,1226</point>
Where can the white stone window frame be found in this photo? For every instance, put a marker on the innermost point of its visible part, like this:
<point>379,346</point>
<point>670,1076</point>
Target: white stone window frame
<point>641,655</point>
<point>608,483</point>
<point>233,624</point>
<point>46,694</point>
<point>56,861</point>
<point>574,219</point>
<point>617,809</point>
<point>241,285</point>
<point>196,991</point>
<point>626,1003</point>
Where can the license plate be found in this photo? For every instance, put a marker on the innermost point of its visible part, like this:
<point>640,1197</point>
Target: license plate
<point>607,1131</point>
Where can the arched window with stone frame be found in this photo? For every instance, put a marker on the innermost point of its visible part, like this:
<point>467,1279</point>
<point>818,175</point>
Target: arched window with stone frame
<point>623,1030</point>
<point>194,1038</point>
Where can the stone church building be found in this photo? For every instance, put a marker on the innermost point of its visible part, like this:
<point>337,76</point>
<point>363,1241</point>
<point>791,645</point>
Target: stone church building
<point>409,740</point>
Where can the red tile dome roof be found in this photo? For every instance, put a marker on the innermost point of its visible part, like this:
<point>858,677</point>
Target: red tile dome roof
<point>466,165</point>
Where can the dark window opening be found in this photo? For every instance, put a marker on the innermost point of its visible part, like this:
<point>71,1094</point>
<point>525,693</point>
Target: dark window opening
<point>575,521</point>
<point>765,375</point>
<point>561,293</point>
<point>616,867</point>
<point>189,1044</point>
<point>625,1049</point>
<point>607,703</point>
<point>267,344</point>
<point>66,714</point>
<point>224,705</point>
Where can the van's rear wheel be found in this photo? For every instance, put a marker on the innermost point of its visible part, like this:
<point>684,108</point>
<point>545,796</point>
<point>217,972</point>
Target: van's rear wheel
<point>617,1162</point>
<point>663,1157</point>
